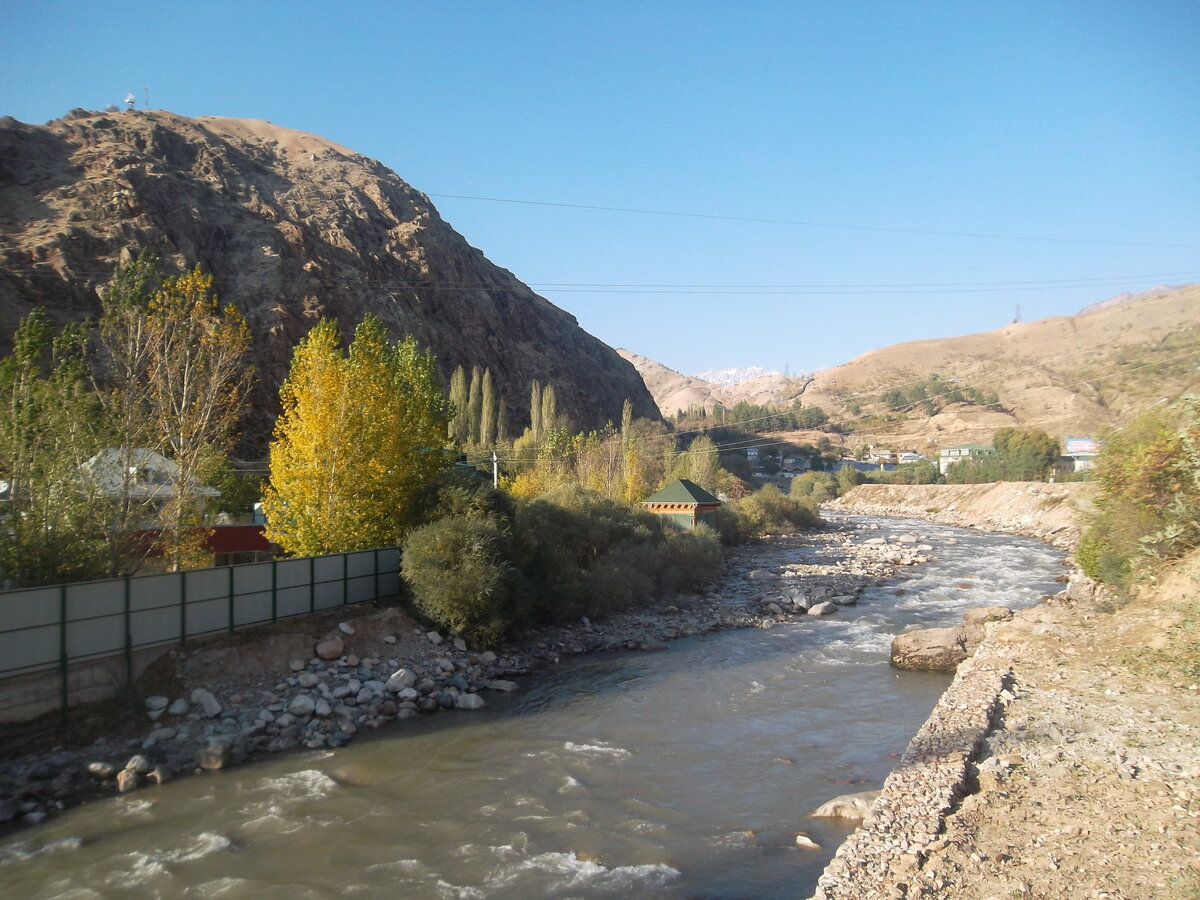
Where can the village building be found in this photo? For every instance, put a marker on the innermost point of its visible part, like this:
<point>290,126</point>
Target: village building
<point>685,504</point>
<point>951,455</point>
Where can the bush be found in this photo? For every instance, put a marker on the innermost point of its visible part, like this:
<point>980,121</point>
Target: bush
<point>768,510</point>
<point>460,577</point>
<point>815,487</point>
<point>690,559</point>
<point>1149,503</point>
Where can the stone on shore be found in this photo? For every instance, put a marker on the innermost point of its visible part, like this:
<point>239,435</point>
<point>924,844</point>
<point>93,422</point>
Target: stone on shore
<point>329,649</point>
<point>208,704</point>
<point>929,650</point>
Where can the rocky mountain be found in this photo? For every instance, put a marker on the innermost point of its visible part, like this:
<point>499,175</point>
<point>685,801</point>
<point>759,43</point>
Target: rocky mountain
<point>293,227</point>
<point>674,392</point>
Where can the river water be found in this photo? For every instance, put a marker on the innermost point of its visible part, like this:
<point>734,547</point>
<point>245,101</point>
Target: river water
<point>684,773</point>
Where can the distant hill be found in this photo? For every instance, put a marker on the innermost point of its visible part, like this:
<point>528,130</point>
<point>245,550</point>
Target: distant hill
<point>292,227</point>
<point>1071,375</point>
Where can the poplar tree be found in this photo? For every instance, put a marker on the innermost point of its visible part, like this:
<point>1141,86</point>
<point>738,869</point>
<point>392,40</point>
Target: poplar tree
<point>549,409</point>
<point>196,381</point>
<point>474,408</point>
<point>535,410</point>
<point>358,437</point>
<point>458,430</point>
<point>502,422</point>
<point>487,413</point>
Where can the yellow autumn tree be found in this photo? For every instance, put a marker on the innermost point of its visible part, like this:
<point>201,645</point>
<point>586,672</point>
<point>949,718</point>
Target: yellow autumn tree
<point>360,432</point>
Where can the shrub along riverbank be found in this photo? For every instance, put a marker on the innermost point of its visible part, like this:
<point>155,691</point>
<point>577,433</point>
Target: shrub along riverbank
<point>487,567</point>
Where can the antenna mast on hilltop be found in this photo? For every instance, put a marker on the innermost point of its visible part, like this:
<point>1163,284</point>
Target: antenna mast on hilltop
<point>1017,314</point>
<point>130,100</point>
<point>146,96</point>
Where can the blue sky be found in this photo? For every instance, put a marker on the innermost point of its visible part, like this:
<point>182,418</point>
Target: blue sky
<point>771,125</point>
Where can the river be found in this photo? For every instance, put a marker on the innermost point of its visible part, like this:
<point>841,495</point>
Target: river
<point>684,773</point>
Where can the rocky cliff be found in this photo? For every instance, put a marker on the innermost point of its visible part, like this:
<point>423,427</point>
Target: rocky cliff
<point>293,227</point>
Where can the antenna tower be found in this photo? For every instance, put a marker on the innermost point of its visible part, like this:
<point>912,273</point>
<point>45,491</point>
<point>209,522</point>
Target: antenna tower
<point>1017,314</point>
<point>146,96</point>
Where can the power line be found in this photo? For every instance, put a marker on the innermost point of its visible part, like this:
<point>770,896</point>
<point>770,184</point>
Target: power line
<point>889,229</point>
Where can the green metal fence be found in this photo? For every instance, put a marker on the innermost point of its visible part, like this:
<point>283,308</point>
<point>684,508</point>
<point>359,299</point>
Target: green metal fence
<point>51,627</point>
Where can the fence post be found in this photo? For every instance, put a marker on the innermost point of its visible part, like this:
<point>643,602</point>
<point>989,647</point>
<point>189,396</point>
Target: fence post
<point>62,652</point>
<point>231,609</point>
<point>312,584</point>
<point>376,557</point>
<point>274,595</point>
<point>128,637</point>
<point>182,608</point>
<point>345,578</point>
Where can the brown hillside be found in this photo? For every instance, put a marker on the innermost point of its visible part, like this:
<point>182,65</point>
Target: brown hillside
<point>1071,375</point>
<point>293,227</point>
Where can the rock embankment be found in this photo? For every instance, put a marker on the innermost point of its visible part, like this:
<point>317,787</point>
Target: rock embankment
<point>1049,512</point>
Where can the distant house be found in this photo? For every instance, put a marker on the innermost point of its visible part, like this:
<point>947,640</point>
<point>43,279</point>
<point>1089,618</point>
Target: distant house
<point>146,474</point>
<point>909,456</point>
<point>685,504</point>
<point>951,455</point>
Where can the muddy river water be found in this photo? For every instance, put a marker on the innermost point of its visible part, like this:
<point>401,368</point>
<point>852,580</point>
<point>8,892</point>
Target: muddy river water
<point>683,773</point>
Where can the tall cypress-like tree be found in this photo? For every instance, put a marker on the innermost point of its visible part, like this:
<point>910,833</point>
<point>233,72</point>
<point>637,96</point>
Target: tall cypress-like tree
<point>458,430</point>
<point>502,422</point>
<point>474,407</point>
<point>549,409</point>
<point>535,410</point>
<point>487,413</point>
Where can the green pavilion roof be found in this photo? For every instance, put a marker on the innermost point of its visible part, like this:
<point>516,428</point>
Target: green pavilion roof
<point>682,491</point>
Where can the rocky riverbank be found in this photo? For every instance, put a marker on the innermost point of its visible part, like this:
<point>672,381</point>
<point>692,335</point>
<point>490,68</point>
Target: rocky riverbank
<point>1064,760</point>
<point>218,704</point>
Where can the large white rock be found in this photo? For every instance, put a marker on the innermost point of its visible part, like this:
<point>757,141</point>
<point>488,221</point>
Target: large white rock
<point>469,701</point>
<point>847,806</point>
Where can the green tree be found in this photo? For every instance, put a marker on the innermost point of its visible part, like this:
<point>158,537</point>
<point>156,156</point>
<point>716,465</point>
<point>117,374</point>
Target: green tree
<point>359,434</point>
<point>52,517</point>
<point>196,382</point>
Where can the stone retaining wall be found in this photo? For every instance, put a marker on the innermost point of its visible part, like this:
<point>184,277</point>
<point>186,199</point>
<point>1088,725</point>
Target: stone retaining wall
<point>880,857</point>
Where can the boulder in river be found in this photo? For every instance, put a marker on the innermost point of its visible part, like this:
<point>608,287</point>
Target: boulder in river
<point>929,649</point>
<point>847,806</point>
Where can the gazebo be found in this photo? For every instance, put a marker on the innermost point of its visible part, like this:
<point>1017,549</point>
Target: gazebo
<point>685,504</point>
